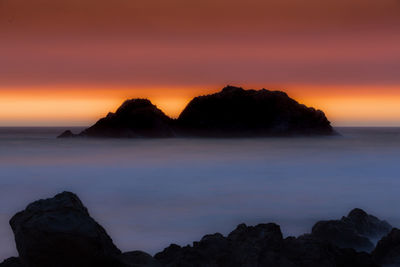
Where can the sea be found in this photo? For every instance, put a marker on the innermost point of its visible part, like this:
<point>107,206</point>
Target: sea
<point>149,193</point>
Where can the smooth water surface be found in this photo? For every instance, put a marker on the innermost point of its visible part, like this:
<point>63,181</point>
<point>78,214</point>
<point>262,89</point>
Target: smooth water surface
<point>150,193</point>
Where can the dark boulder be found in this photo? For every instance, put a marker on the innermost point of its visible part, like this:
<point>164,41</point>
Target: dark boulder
<point>134,118</point>
<point>11,262</point>
<point>357,230</point>
<point>387,251</point>
<point>261,245</point>
<point>60,232</point>
<point>238,112</point>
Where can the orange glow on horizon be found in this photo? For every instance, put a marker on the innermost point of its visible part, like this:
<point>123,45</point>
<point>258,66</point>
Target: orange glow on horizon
<point>79,106</point>
<point>344,106</point>
<point>69,62</point>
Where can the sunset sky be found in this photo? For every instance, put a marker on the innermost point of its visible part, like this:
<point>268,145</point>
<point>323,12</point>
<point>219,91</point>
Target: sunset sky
<point>69,62</point>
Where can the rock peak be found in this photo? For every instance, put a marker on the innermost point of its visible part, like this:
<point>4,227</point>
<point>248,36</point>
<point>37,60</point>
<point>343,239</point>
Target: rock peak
<point>357,213</point>
<point>135,118</point>
<point>357,230</point>
<point>230,88</point>
<point>62,200</point>
<point>135,103</point>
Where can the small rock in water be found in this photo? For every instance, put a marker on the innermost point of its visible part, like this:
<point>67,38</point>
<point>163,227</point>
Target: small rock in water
<point>66,134</point>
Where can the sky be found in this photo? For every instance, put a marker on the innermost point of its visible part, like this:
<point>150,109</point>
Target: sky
<point>69,62</point>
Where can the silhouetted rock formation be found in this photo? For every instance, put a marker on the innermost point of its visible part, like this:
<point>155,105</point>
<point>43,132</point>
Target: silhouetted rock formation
<point>387,251</point>
<point>229,113</point>
<point>261,245</point>
<point>353,231</point>
<point>367,225</point>
<point>134,118</point>
<point>238,112</point>
<point>60,232</point>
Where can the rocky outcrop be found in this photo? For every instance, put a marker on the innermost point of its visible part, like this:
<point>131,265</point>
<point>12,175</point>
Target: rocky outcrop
<point>367,225</point>
<point>233,112</point>
<point>357,230</point>
<point>387,251</point>
<point>342,235</point>
<point>261,245</point>
<point>60,232</point>
<point>238,112</point>
<point>134,118</point>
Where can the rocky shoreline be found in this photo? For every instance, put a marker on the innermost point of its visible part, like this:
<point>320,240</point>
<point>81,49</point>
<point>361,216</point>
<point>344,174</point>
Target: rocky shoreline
<point>60,232</point>
<point>232,112</point>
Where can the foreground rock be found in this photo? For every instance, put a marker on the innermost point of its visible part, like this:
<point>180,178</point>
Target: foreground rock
<point>11,262</point>
<point>238,112</point>
<point>387,251</point>
<point>262,245</point>
<point>233,112</point>
<point>60,232</point>
<point>358,230</point>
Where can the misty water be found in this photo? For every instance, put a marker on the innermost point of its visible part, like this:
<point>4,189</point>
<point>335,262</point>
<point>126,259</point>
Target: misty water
<point>150,193</point>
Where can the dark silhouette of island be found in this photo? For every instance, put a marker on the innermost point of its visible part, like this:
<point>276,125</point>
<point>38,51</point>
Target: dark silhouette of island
<point>60,232</point>
<point>233,112</point>
<point>134,118</point>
